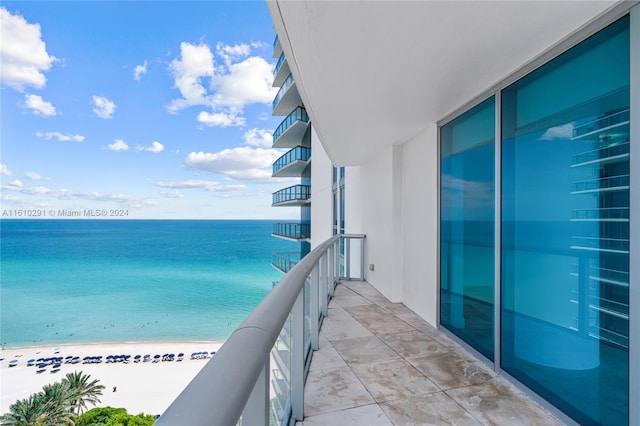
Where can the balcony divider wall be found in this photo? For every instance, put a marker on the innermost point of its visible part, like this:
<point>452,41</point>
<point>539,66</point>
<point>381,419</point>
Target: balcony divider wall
<point>565,301</point>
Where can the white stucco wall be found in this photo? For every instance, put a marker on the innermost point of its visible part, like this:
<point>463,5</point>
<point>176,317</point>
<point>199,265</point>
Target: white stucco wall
<point>373,207</point>
<point>321,193</point>
<point>420,220</point>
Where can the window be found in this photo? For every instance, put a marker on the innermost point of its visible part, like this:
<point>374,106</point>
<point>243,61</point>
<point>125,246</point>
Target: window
<point>565,229</point>
<point>467,206</point>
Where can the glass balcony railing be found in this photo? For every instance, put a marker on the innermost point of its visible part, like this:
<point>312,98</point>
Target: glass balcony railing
<point>298,153</point>
<point>284,330</point>
<point>604,184</point>
<point>601,244</point>
<point>607,213</point>
<point>297,231</point>
<point>292,193</point>
<point>621,117</point>
<point>278,64</point>
<point>298,114</point>
<point>613,151</point>
<point>285,261</point>
<point>285,86</point>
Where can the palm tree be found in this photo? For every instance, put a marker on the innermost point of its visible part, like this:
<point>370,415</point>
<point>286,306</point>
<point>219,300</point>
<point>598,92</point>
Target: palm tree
<point>30,411</point>
<point>83,391</point>
<point>59,399</point>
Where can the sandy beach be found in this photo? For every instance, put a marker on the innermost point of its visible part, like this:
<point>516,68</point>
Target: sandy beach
<point>140,387</point>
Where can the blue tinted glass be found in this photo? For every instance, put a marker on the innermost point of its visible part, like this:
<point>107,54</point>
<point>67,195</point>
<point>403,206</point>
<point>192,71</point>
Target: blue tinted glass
<point>467,192</point>
<point>565,229</point>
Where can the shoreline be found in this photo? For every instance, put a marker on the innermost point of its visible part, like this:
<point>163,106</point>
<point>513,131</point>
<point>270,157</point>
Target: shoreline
<point>140,387</point>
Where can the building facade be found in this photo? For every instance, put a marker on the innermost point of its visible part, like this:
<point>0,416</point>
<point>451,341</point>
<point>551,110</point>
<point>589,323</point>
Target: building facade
<point>489,157</point>
<point>294,134</point>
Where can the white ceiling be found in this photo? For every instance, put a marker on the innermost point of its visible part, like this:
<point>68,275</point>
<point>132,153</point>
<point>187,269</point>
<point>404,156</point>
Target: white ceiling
<point>376,73</point>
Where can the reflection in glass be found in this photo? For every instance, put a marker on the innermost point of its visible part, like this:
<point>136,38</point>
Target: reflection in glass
<point>467,192</point>
<point>565,229</point>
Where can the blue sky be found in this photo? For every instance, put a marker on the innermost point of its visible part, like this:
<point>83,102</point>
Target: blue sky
<point>160,108</point>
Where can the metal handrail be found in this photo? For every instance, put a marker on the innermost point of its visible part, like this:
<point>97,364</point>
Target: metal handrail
<point>221,390</point>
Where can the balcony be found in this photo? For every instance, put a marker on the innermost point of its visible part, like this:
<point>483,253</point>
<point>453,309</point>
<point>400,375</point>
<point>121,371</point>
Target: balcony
<point>296,195</point>
<point>277,47</point>
<point>371,362</point>
<point>287,97</point>
<point>605,214</point>
<point>292,129</point>
<point>283,262</point>
<point>613,123</point>
<point>613,183</point>
<point>281,71</point>
<point>292,231</point>
<point>292,163</point>
<point>603,155</point>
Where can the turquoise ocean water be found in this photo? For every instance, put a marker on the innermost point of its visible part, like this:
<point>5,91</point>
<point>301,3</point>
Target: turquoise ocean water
<point>65,281</point>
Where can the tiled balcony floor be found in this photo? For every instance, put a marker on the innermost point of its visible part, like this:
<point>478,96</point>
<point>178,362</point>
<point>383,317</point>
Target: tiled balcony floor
<point>381,364</point>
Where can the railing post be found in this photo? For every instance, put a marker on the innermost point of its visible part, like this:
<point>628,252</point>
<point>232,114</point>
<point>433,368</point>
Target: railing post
<point>324,284</point>
<point>362,259</point>
<point>332,269</point>
<point>337,258</point>
<point>347,259</point>
<point>297,358</point>
<point>314,306</point>
<point>256,411</point>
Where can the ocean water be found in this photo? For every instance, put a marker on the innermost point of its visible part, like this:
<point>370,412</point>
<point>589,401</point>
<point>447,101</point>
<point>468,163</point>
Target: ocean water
<point>65,281</point>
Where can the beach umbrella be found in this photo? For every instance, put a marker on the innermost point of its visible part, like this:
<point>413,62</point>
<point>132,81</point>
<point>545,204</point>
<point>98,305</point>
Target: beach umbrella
<point>31,362</point>
<point>13,363</point>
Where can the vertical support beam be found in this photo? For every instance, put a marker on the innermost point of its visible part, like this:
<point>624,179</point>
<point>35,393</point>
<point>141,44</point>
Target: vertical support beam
<point>297,358</point>
<point>314,307</point>
<point>497,236</point>
<point>634,222</point>
<point>256,411</point>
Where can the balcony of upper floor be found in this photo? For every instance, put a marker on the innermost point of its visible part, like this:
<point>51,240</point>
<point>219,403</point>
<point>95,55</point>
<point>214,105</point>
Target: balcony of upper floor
<point>277,47</point>
<point>296,195</point>
<point>292,163</point>
<point>292,231</point>
<point>287,97</point>
<point>283,262</point>
<point>281,71</point>
<point>292,129</point>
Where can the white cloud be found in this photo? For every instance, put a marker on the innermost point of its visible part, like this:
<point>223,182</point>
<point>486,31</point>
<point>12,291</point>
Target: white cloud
<point>227,88</point>
<point>17,183</point>
<point>118,145</point>
<point>35,176</point>
<point>230,54</point>
<point>172,194</point>
<point>60,136</point>
<point>139,70</point>
<point>559,132</point>
<point>103,107</point>
<point>4,170</point>
<point>207,185</point>
<point>246,82</point>
<point>221,119</point>
<point>241,163</point>
<point>195,65</point>
<point>258,137</point>
<point>23,54</point>
<point>155,147</point>
<point>39,106</point>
